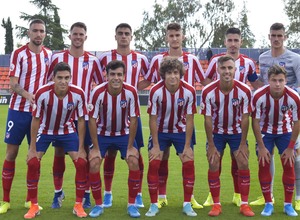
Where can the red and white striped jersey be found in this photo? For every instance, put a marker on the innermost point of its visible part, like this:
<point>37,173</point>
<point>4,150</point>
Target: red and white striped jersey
<point>56,113</point>
<point>276,115</point>
<point>245,68</point>
<point>85,69</point>
<point>193,69</point>
<point>136,64</point>
<point>226,110</point>
<point>172,108</point>
<point>31,69</point>
<point>113,112</point>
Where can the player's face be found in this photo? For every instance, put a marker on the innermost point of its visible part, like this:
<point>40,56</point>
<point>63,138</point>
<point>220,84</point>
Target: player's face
<point>61,81</point>
<point>115,78</point>
<point>174,38</point>
<point>226,70</point>
<point>277,83</point>
<point>233,43</point>
<point>37,34</point>
<point>77,37</point>
<point>123,37</point>
<point>277,38</point>
<point>172,78</point>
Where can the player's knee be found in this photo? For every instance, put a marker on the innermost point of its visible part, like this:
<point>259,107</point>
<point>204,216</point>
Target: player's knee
<point>94,165</point>
<point>133,163</point>
<point>80,164</point>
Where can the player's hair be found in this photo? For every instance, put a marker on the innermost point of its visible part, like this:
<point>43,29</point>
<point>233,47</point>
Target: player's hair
<point>225,58</point>
<point>174,26</point>
<point>233,30</point>
<point>168,64</point>
<point>123,25</point>
<point>80,25</point>
<point>276,70</point>
<point>36,21</point>
<point>115,64</point>
<point>277,26</point>
<point>61,66</point>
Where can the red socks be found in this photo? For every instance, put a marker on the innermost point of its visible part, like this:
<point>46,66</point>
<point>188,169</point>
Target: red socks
<point>214,185</point>
<point>188,173</point>
<point>58,168</point>
<point>109,169</point>
<point>288,180</point>
<point>163,177</point>
<point>133,185</point>
<point>153,180</point>
<point>33,175</point>
<point>80,178</point>
<point>95,182</point>
<point>244,184</point>
<point>8,173</point>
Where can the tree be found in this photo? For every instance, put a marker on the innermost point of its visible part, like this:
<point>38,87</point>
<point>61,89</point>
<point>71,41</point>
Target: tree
<point>199,22</point>
<point>292,8</point>
<point>247,35</point>
<point>49,14</point>
<point>9,39</point>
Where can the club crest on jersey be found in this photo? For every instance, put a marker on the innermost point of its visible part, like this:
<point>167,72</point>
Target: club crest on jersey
<point>242,69</point>
<point>180,101</point>
<point>186,65</point>
<point>235,102</point>
<point>285,108</point>
<point>70,106</point>
<point>46,60</point>
<point>134,63</point>
<point>282,64</point>
<point>85,65</point>
<point>123,103</point>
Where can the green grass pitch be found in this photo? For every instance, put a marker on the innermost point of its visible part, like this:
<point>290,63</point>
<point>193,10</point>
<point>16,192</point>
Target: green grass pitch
<point>118,210</point>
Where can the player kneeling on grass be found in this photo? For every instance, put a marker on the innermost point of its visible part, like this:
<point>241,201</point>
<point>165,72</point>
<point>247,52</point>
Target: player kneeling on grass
<point>113,110</point>
<point>171,109</point>
<point>226,104</point>
<point>55,103</point>
<point>275,121</point>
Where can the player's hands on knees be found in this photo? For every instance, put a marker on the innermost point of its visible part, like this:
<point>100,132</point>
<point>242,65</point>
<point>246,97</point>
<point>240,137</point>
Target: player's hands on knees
<point>243,150</point>
<point>31,154</point>
<point>188,153</point>
<point>212,154</point>
<point>264,156</point>
<point>94,153</point>
<point>289,156</point>
<point>132,152</point>
<point>154,153</point>
<point>82,153</point>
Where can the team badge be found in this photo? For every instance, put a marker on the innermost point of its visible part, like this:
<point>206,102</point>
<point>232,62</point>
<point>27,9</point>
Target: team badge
<point>282,64</point>
<point>7,135</point>
<point>70,106</point>
<point>235,101</point>
<point>242,69</point>
<point>85,65</point>
<point>134,63</point>
<point>284,108</point>
<point>180,101</point>
<point>123,103</point>
<point>186,65</point>
<point>90,107</point>
<point>46,60</point>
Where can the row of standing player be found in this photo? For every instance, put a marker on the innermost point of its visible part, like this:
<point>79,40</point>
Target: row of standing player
<point>138,65</point>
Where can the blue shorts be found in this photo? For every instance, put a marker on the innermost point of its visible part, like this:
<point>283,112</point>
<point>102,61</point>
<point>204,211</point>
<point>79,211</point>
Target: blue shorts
<point>17,126</point>
<point>87,137</point>
<point>167,139</point>
<point>280,140</point>
<point>69,142</point>
<point>233,140</point>
<point>139,134</point>
<point>114,143</point>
